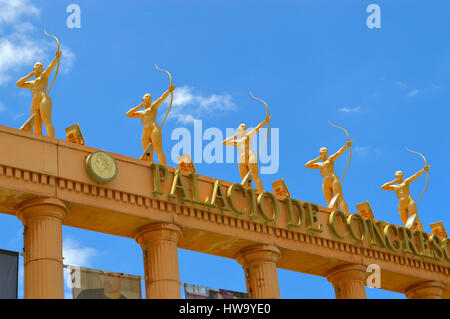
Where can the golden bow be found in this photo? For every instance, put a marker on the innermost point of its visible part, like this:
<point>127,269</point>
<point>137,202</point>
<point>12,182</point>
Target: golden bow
<point>350,149</point>
<point>57,67</point>
<point>268,123</point>
<point>171,94</point>
<point>428,174</point>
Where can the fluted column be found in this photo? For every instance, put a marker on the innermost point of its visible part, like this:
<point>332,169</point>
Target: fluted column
<point>43,260</point>
<point>159,244</point>
<point>425,290</point>
<point>348,281</point>
<point>260,267</point>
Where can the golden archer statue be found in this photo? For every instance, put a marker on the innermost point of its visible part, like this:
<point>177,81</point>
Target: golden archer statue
<point>151,136</point>
<point>331,186</point>
<point>406,206</point>
<point>248,162</point>
<point>41,105</point>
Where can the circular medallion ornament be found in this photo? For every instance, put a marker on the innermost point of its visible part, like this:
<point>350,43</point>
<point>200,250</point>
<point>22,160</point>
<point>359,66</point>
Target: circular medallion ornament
<point>101,167</point>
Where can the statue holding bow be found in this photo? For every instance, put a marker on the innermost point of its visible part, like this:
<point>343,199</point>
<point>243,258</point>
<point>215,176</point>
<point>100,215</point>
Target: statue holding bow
<point>407,206</point>
<point>41,104</point>
<point>248,162</point>
<point>332,186</point>
<point>151,136</point>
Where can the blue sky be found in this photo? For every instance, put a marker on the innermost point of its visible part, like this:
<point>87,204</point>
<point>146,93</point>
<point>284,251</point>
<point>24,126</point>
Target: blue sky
<point>312,61</point>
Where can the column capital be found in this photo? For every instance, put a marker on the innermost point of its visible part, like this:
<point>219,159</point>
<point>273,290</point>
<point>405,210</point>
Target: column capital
<point>260,266</point>
<point>259,252</point>
<point>425,290</point>
<point>158,231</point>
<point>159,242</point>
<point>351,271</point>
<point>43,260</point>
<point>44,206</point>
<point>348,281</point>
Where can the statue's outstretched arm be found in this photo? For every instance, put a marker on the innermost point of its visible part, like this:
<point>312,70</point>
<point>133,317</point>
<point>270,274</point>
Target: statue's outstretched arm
<point>229,141</point>
<point>416,175</point>
<point>22,83</point>
<point>163,97</point>
<point>341,151</point>
<point>313,163</point>
<point>389,186</point>
<point>52,65</point>
<point>260,126</point>
<point>134,111</point>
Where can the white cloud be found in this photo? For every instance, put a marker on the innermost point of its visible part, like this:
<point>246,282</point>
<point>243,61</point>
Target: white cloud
<point>11,115</point>
<point>17,116</point>
<point>75,254</point>
<point>184,118</point>
<point>23,45</point>
<point>12,10</point>
<point>402,84</point>
<point>362,150</point>
<point>413,93</point>
<point>350,110</point>
<point>187,106</point>
<point>18,49</point>
<point>67,59</point>
<point>366,150</point>
<point>435,86</point>
<point>182,96</point>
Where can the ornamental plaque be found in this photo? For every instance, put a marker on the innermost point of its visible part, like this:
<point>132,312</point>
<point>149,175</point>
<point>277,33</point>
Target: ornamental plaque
<point>101,167</point>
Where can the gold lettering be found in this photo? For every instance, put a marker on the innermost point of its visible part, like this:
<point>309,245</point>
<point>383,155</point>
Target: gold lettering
<point>311,216</point>
<point>444,247</point>
<point>436,250</point>
<point>356,218</point>
<point>301,212</point>
<point>230,197</point>
<point>393,245</point>
<point>262,208</point>
<point>194,183</point>
<point>158,178</point>
<point>376,233</point>
<point>217,195</point>
<point>332,222</point>
<point>253,204</point>
<point>179,185</point>
<point>422,239</point>
<point>408,244</point>
<point>195,197</point>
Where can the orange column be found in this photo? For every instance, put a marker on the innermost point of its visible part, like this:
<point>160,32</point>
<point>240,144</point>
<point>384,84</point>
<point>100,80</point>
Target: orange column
<point>425,290</point>
<point>348,281</point>
<point>159,244</point>
<point>260,267</point>
<point>43,260</point>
